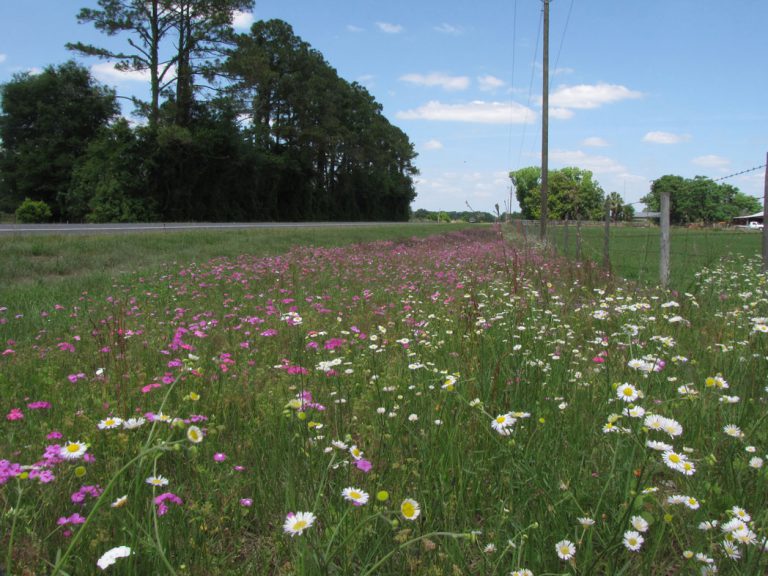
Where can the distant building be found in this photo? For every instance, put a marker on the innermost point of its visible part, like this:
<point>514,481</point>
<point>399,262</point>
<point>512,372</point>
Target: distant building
<point>647,215</point>
<point>748,219</point>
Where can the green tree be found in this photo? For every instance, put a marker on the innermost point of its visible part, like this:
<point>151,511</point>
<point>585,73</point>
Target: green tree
<point>699,199</point>
<point>110,182</point>
<point>165,37</point>
<point>332,153</point>
<point>573,193</point>
<point>47,122</point>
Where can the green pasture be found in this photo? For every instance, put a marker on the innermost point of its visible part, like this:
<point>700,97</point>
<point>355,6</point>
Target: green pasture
<point>634,251</point>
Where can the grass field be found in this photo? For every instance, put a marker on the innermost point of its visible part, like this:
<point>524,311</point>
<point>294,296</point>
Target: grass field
<point>635,254</point>
<point>435,405</point>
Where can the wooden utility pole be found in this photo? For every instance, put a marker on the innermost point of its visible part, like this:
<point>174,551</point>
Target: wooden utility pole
<point>664,262</point>
<point>545,127</point>
<point>765,221</point>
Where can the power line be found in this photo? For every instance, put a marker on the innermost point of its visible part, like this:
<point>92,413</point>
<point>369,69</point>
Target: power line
<point>739,173</point>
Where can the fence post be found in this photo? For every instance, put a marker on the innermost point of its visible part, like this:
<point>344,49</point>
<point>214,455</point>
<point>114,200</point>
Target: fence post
<point>606,238</point>
<point>578,237</point>
<point>664,262</point>
<point>565,237</point>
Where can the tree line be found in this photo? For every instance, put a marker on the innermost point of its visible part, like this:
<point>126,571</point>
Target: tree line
<point>575,195</point>
<point>254,126</point>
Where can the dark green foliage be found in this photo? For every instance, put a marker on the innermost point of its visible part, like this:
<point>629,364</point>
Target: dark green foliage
<point>47,122</point>
<point>33,212</point>
<point>573,194</point>
<point>288,139</point>
<point>700,199</point>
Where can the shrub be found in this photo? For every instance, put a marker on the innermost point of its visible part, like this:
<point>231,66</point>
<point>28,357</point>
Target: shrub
<point>33,212</point>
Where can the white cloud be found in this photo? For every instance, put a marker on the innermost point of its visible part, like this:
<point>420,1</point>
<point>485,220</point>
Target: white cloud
<point>433,145</point>
<point>586,96</point>
<point>242,20</point>
<point>353,28</point>
<point>389,28</point>
<point>711,161</point>
<point>596,164</point>
<point>106,72</point>
<point>453,190</point>
<point>437,79</point>
<point>449,29</point>
<point>560,113</point>
<point>489,82</point>
<point>477,111</point>
<point>559,71</point>
<point>665,138</point>
<point>594,141</point>
<point>3,57</point>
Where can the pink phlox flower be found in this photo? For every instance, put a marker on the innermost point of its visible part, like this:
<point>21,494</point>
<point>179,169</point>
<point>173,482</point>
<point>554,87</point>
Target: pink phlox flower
<point>270,332</point>
<point>75,377</point>
<point>8,352</point>
<point>74,519</point>
<point>54,434</point>
<point>307,402</point>
<point>161,500</point>
<point>219,457</point>
<point>334,343</point>
<point>15,414</point>
<point>40,405</point>
<point>364,465</point>
<point>92,491</point>
<point>8,470</point>
<point>65,347</point>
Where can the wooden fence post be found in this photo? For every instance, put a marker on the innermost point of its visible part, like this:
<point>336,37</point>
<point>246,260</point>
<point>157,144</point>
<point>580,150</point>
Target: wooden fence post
<point>606,238</point>
<point>664,262</point>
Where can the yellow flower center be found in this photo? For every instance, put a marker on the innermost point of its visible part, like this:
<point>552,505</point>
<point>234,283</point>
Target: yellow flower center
<point>408,509</point>
<point>674,458</point>
<point>300,525</point>
<point>73,448</point>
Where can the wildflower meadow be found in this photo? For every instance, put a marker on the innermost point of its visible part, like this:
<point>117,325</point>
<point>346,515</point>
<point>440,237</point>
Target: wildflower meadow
<point>456,404</point>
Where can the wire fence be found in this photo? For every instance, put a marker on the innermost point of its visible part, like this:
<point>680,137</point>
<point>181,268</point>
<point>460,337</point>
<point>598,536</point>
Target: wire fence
<point>634,249</point>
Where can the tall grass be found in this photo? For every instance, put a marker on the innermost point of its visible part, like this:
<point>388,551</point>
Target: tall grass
<point>491,401</point>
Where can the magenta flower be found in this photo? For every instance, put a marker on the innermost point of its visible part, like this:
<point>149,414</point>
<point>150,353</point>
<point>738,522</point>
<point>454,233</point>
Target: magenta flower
<point>246,502</point>
<point>364,465</point>
<point>15,414</point>
<point>219,457</point>
<point>39,405</point>
<point>160,502</point>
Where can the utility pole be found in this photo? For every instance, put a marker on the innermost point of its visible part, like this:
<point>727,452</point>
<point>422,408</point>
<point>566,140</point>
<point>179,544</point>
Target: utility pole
<point>545,128</point>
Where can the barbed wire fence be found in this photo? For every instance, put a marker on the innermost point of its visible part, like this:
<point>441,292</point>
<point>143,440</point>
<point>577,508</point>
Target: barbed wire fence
<point>650,251</point>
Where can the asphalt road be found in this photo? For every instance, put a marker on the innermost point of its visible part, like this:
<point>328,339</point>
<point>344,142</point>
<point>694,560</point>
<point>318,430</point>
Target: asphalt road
<point>8,229</point>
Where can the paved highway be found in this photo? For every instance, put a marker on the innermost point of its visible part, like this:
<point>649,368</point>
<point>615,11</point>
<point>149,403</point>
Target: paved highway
<point>9,229</point>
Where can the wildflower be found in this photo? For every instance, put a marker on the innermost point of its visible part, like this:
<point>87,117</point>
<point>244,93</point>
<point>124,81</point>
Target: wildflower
<point>502,423</point>
<point>355,495</point>
<point>110,556</point>
<point>565,549</point>
<point>756,462</point>
<point>355,452</point>
<point>219,457</point>
<point>410,509</point>
<point>295,524</point>
<point>119,502</point>
<point>157,481</point>
<point>586,521</point>
<point>627,392</point>
<point>194,435</point>
<point>639,523</point>
<point>633,540</point>
<point>521,572</point>
<point>741,514</point>
<point>716,382</point>
<point>73,450</point>
<point>109,423</point>
<point>363,465</point>
<point>673,459</point>
<point>382,495</point>
<point>660,446</point>
<point>413,417</point>
<point>160,502</point>
<point>133,423</point>
<point>733,431</point>
<point>731,550</point>
<point>15,414</point>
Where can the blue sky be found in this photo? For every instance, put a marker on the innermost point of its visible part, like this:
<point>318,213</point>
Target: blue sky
<point>639,89</point>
